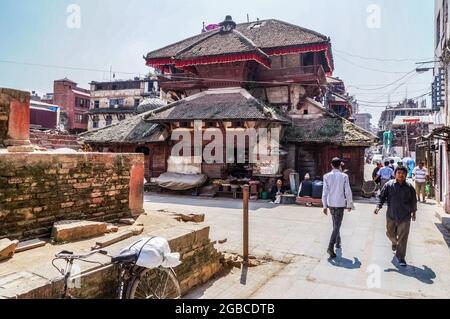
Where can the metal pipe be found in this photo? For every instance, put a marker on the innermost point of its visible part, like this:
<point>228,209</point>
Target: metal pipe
<point>246,197</point>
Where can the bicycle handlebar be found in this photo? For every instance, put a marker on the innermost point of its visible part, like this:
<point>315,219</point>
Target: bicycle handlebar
<point>69,255</point>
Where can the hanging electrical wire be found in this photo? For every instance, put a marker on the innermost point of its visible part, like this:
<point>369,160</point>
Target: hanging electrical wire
<point>66,67</point>
<point>366,104</point>
<point>368,68</point>
<point>379,59</point>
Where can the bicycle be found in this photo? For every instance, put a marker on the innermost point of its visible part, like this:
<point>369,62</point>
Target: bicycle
<point>134,282</point>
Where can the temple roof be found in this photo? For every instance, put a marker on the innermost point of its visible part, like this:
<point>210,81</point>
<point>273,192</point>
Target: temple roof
<point>150,104</point>
<point>133,130</point>
<point>229,104</point>
<point>330,128</point>
<point>263,38</point>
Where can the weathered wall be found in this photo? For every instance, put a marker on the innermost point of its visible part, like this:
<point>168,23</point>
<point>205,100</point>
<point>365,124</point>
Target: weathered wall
<point>54,140</point>
<point>38,189</point>
<point>14,117</point>
<point>4,116</point>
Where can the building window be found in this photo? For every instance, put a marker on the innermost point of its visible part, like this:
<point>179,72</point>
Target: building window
<point>116,103</point>
<point>79,118</point>
<point>184,124</point>
<point>305,112</point>
<point>96,104</point>
<point>307,59</point>
<point>121,117</point>
<point>83,103</point>
<point>95,121</point>
<point>108,120</point>
<point>211,124</point>
<point>238,124</point>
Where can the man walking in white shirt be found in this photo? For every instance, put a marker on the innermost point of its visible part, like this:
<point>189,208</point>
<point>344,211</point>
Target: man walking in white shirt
<point>420,176</point>
<point>336,197</point>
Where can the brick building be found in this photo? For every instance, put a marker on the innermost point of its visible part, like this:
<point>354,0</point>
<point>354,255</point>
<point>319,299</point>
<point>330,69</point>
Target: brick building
<point>115,101</point>
<point>74,102</point>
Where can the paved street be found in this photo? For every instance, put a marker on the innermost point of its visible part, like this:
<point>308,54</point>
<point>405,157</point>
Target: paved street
<point>294,240</point>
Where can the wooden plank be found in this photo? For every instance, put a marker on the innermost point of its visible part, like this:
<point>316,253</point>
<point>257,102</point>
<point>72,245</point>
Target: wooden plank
<point>113,238</point>
<point>30,244</point>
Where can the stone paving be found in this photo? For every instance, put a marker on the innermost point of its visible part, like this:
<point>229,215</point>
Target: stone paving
<point>295,239</point>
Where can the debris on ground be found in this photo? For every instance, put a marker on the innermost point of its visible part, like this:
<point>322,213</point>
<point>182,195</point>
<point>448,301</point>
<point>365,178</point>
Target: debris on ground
<point>7,248</point>
<point>126,221</point>
<point>112,229</point>
<point>237,261</point>
<point>195,218</point>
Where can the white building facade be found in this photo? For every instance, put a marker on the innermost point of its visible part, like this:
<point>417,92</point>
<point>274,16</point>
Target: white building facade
<point>115,101</point>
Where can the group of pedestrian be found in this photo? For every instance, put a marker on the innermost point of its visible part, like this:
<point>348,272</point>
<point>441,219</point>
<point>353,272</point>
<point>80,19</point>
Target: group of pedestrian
<point>399,195</point>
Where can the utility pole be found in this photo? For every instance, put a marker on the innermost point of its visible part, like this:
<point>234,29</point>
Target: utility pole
<point>407,141</point>
<point>246,197</point>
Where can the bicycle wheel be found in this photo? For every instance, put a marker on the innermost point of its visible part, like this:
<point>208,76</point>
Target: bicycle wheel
<point>158,283</point>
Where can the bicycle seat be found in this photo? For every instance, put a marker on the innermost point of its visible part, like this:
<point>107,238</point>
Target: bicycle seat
<point>125,258</point>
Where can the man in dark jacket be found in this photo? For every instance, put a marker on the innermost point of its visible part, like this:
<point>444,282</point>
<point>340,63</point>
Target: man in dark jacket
<point>402,207</point>
<point>277,190</point>
<point>375,171</point>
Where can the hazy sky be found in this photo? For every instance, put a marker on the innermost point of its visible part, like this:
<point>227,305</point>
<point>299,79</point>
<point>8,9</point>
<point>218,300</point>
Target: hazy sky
<point>118,33</point>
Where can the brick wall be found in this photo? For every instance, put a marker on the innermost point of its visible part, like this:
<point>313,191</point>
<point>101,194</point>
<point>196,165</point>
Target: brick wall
<point>54,140</point>
<point>38,189</point>
<point>4,115</point>
<point>14,117</point>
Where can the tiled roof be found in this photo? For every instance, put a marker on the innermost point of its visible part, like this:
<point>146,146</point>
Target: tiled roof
<point>150,104</point>
<point>109,110</point>
<point>330,128</point>
<point>260,37</point>
<point>131,130</point>
<point>234,104</point>
<point>270,34</point>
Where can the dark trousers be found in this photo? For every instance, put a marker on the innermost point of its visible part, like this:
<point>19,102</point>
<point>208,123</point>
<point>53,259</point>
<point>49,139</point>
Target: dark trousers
<point>398,233</point>
<point>338,216</point>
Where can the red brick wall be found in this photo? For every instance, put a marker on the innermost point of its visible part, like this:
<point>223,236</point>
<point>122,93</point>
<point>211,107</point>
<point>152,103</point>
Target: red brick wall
<point>38,189</point>
<point>14,117</point>
<point>54,140</point>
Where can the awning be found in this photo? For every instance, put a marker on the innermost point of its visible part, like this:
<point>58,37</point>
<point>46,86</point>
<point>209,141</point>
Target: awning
<point>442,133</point>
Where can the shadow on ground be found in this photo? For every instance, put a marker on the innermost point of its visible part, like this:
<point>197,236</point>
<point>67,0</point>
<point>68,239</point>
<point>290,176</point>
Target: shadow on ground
<point>445,233</point>
<point>425,275</point>
<point>343,262</point>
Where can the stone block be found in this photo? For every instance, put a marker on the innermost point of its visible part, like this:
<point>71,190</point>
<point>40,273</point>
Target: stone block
<point>7,248</point>
<point>127,221</point>
<point>29,244</point>
<point>112,229</point>
<point>67,231</point>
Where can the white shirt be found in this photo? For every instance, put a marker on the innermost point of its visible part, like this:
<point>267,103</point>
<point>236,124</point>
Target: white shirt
<point>420,174</point>
<point>336,190</point>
